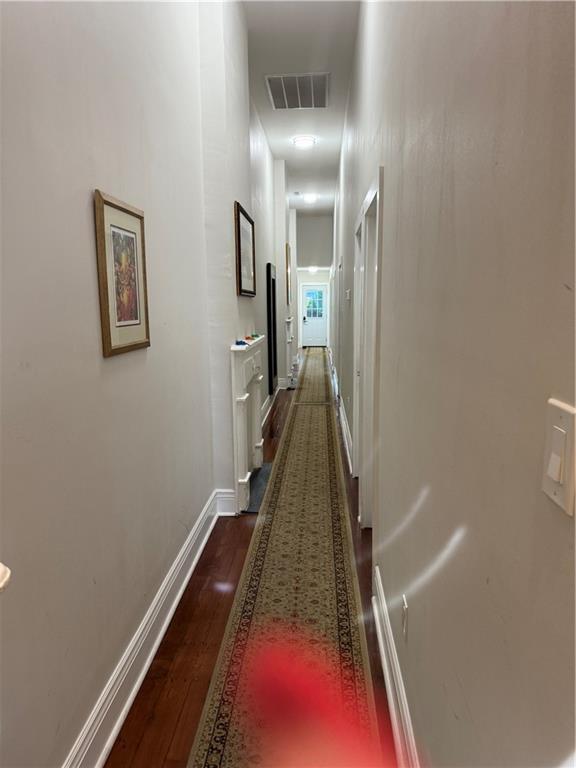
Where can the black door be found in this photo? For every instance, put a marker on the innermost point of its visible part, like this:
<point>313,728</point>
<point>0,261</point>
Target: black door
<point>271,312</point>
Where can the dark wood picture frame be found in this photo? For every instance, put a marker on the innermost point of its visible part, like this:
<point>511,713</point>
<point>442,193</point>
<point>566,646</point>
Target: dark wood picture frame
<point>106,291</point>
<point>241,288</point>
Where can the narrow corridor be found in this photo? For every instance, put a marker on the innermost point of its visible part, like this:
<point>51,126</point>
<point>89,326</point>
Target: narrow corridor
<point>287,354</point>
<point>162,724</point>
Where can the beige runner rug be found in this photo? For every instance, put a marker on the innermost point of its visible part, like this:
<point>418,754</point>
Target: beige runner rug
<point>299,574</point>
<point>314,385</point>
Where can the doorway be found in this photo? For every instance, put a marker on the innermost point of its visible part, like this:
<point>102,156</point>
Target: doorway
<point>358,320</point>
<point>271,328</point>
<point>367,312</point>
<point>314,314</point>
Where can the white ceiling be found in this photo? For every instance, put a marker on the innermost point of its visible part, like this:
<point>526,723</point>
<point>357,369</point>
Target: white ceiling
<point>296,38</point>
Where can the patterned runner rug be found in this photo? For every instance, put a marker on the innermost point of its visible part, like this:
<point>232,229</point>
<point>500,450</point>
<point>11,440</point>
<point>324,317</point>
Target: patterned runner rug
<point>299,577</point>
<point>314,385</point>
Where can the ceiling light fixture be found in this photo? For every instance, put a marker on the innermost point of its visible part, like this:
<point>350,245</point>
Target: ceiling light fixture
<point>310,198</point>
<point>312,269</point>
<point>304,142</point>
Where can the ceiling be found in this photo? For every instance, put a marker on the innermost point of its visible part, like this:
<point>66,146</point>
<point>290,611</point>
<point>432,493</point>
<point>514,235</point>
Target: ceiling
<point>296,38</point>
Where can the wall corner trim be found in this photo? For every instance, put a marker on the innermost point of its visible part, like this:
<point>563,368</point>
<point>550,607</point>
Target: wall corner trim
<point>404,741</point>
<point>100,730</point>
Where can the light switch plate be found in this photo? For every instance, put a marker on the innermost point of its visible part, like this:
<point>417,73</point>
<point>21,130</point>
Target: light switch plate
<point>558,472</point>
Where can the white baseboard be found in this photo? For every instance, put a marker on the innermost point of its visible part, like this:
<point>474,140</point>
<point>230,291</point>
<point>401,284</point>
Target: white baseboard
<point>267,406</point>
<point>346,433</point>
<point>104,722</point>
<point>404,741</point>
<point>265,409</point>
<point>225,502</point>
<point>333,373</point>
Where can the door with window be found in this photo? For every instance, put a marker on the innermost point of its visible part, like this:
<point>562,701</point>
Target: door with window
<point>314,315</point>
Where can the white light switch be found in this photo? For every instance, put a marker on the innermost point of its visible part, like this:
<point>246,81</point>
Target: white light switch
<point>558,478</point>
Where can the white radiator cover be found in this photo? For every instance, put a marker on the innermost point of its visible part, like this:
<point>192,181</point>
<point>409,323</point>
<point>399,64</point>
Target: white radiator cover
<point>247,377</point>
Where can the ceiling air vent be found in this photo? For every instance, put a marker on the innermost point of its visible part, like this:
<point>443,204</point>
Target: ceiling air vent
<point>298,91</point>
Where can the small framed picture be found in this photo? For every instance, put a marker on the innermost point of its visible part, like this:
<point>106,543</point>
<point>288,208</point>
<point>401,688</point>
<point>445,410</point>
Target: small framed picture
<point>121,257</point>
<point>245,252</point>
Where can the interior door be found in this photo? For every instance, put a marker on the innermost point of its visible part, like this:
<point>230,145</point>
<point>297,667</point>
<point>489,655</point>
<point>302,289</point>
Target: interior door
<point>271,329</point>
<point>358,318</point>
<point>369,406</point>
<point>314,315</point>
<point>367,344</point>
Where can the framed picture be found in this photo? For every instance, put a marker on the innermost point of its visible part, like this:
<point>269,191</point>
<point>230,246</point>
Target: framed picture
<point>121,256</point>
<point>245,252</point>
<point>288,276</point>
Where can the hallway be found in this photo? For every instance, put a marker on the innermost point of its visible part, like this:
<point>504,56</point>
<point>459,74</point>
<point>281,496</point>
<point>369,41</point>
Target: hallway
<point>288,384</point>
<point>162,724</point>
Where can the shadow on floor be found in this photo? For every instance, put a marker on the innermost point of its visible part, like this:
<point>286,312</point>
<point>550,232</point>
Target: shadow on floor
<point>258,483</point>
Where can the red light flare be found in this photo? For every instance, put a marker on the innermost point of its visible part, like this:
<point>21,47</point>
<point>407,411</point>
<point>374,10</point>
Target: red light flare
<point>299,710</point>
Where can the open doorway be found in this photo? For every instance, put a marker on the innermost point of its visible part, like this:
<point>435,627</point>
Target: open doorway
<point>314,307</point>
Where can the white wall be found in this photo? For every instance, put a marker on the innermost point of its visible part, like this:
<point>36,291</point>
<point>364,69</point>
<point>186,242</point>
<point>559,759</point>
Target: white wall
<point>107,463</point>
<point>315,240</point>
<point>238,165</point>
<point>226,165</point>
<point>263,211</point>
<point>471,115</point>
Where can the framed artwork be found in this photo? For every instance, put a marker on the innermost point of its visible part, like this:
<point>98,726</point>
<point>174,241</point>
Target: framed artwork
<point>288,276</point>
<point>121,257</point>
<point>245,252</point>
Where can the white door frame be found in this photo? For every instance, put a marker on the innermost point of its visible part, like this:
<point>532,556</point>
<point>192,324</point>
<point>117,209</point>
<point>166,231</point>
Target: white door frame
<point>358,357</point>
<point>367,319</point>
<point>314,284</point>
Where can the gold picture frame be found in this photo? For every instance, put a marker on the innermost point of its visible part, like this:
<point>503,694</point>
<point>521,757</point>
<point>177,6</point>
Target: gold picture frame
<point>122,281</point>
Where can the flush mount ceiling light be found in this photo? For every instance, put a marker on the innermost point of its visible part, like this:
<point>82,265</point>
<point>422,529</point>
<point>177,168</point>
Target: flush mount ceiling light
<point>304,142</point>
<point>312,269</point>
<point>310,198</point>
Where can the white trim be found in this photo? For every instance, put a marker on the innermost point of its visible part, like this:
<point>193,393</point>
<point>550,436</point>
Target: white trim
<point>267,406</point>
<point>333,374</point>
<point>358,294</point>
<point>100,730</point>
<point>346,433</point>
<point>225,502</point>
<point>367,271</point>
<point>283,383</point>
<point>404,741</point>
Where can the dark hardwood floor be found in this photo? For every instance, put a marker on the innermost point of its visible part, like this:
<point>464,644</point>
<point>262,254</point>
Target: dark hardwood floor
<point>161,725</point>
